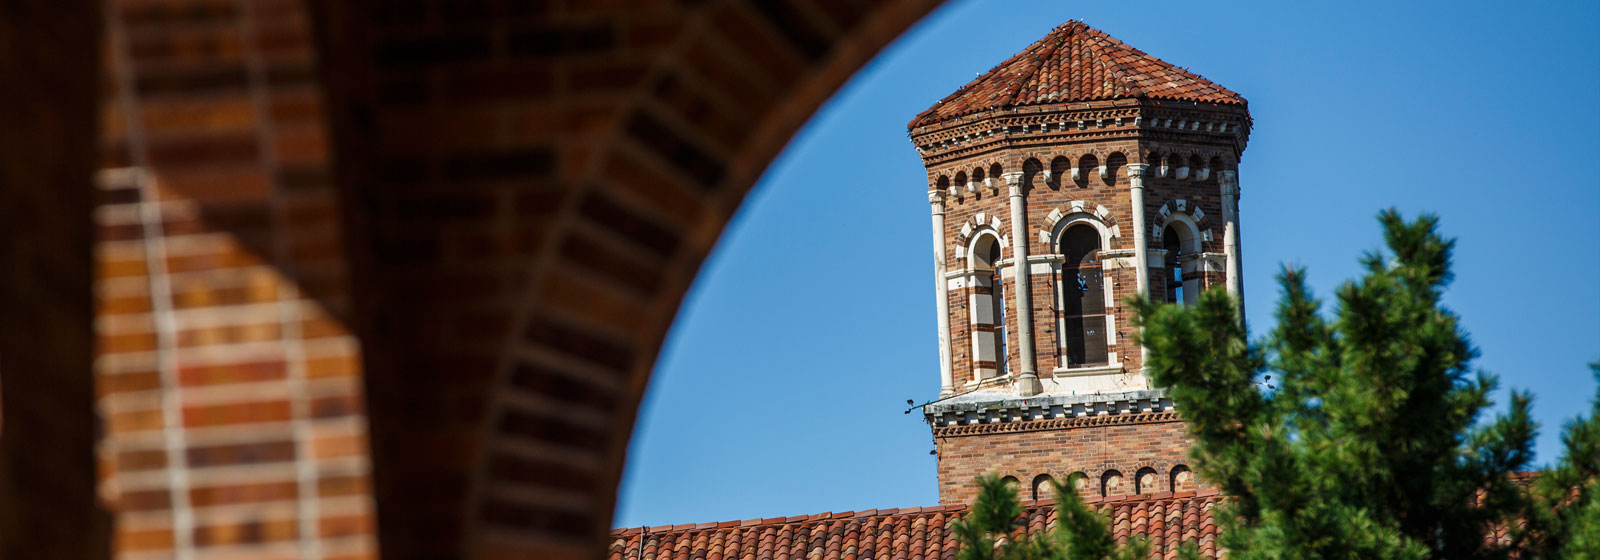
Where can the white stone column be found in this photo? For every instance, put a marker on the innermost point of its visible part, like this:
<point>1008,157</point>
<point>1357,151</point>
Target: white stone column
<point>1028,381</point>
<point>1141,249</point>
<point>1141,233</point>
<point>947,385</point>
<point>1230,228</point>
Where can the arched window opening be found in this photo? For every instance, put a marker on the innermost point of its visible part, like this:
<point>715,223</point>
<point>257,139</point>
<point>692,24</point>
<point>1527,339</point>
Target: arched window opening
<point>988,310</point>
<point>1145,481</point>
<point>1043,487</point>
<point>1174,264</point>
<point>1180,273</point>
<point>1182,479</point>
<point>1083,295</point>
<point>1014,484</point>
<point>1111,484</point>
<point>1079,483</point>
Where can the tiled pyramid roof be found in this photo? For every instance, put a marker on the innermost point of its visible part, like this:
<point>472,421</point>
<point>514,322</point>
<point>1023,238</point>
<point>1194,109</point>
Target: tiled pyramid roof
<point>1166,519</point>
<point>1075,62</point>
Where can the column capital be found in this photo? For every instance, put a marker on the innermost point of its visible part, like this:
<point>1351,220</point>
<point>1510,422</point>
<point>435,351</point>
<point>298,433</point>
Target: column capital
<point>1136,170</point>
<point>936,196</point>
<point>1013,182</point>
<point>1229,180</point>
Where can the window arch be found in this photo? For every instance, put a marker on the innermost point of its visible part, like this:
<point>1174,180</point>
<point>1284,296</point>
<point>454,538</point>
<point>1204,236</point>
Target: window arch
<point>1111,484</point>
<point>1182,480</point>
<point>1083,294</point>
<point>1016,486</point>
<point>1078,482</point>
<point>1145,481</point>
<point>1042,487</point>
<point>1180,264</point>
<point>988,304</point>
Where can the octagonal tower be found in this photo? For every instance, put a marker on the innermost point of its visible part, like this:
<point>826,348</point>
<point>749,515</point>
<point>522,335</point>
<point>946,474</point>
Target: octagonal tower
<point>1073,175</point>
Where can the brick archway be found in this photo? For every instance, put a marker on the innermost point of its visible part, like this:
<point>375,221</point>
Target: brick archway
<point>616,158</point>
<point>497,205</point>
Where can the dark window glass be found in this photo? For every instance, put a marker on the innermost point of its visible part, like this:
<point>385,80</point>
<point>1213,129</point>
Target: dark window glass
<point>1083,312</point>
<point>1174,262</point>
<point>997,301</point>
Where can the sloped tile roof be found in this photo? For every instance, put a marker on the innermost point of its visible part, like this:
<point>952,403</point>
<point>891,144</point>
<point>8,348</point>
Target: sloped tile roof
<point>1166,519</point>
<point>1075,62</point>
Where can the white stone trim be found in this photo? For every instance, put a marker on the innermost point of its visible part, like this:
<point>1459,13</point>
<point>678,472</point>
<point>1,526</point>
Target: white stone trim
<point>1108,369</point>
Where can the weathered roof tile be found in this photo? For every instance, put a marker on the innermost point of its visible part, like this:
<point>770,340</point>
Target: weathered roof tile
<point>1075,62</point>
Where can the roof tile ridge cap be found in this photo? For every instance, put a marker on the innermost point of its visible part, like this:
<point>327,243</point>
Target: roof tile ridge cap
<point>1047,54</point>
<point>1044,46</point>
<point>1107,45</point>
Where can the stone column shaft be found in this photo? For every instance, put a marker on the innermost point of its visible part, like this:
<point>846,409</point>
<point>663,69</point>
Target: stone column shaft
<point>1028,381</point>
<point>1230,231</point>
<point>941,290</point>
<point>1141,233</point>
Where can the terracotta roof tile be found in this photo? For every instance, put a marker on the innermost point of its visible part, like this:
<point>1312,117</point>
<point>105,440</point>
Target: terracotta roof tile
<point>907,534</point>
<point>1075,62</point>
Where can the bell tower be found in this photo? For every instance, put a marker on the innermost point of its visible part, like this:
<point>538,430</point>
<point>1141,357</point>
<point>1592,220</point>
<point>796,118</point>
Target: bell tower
<point>1077,173</point>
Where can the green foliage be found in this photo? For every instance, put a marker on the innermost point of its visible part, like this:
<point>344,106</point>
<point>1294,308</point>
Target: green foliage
<point>1370,444</point>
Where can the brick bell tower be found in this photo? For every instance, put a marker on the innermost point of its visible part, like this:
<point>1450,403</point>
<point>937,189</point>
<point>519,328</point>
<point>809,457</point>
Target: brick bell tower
<point>1073,175</point>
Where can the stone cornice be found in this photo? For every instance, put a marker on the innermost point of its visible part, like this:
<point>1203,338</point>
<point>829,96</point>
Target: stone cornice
<point>1167,122</point>
<point>1056,424</point>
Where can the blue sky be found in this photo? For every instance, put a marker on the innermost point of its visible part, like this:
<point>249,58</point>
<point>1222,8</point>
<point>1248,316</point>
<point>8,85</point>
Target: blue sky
<point>782,385</point>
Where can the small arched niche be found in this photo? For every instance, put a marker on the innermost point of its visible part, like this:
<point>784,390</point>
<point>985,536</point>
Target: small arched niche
<point>1114,166</point>
<point>1060,166</point>
<point>1043,487</point>
<point>1088,166</point>
<point>1146,481</point>
<point>1182,480</point>
<point>1112,484</point>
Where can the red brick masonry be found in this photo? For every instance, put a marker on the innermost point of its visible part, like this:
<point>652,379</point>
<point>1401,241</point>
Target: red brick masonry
<point>1167,519</point>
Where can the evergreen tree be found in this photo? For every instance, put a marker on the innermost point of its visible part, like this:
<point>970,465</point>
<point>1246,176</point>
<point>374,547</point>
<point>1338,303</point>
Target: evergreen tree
<point>1367,445</point>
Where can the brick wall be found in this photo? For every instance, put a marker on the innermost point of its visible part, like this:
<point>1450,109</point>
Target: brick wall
<point>1093,446</point>
<point>465,225</point>
<point>534,187</point>
<point>230,385</point>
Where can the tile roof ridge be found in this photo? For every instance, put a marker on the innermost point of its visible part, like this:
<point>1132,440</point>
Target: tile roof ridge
<point>788,520</point>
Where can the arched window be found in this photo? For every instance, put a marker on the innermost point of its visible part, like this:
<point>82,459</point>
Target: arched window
<point>988,309</point>
<point>1182,278</point>
<point>1083,306</point>
<point>1174,264</point>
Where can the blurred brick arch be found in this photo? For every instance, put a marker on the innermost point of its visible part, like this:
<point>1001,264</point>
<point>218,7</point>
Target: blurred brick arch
<point>348,277</point>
